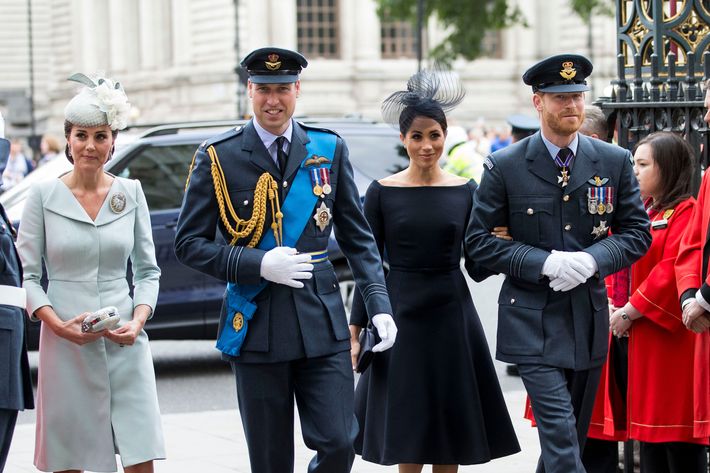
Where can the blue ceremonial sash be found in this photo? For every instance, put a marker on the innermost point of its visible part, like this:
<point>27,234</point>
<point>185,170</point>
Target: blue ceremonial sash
<point>296,210</point>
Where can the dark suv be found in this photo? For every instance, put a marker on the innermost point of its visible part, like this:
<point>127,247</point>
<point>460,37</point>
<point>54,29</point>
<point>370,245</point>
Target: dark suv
<point>189,301</point>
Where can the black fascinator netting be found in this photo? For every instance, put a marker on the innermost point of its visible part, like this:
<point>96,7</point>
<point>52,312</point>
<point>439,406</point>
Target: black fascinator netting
<point>430,92</point>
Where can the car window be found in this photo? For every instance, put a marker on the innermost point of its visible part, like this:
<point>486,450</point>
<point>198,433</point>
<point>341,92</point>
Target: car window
<point>376,156</point>
<point>162,171</point>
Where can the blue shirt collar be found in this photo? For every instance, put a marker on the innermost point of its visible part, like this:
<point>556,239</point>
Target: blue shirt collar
<point>268,138</point>
<point>554,149</point>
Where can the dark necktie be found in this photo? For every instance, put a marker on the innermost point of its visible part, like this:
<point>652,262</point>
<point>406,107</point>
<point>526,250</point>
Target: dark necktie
<point>563,161</point>
<point>281,155</point>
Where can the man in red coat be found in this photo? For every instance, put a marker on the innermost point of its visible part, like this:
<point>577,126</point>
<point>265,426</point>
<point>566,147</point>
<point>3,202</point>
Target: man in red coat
<point>693,280</point>
<point>691,266</point>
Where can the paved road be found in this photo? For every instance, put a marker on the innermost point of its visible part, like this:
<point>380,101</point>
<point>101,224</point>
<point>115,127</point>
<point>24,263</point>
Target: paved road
<point>192,378</point>
<point>202,426</point>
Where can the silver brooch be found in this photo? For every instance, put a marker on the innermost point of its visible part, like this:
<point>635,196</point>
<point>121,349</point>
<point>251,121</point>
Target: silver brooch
<point>117,202</point>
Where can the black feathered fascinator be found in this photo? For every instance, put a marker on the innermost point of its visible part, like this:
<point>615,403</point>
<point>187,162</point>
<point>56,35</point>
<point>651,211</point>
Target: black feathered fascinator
<point>426,87</point>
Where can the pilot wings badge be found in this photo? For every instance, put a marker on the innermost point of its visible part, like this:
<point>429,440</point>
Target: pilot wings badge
<point>316,160</point>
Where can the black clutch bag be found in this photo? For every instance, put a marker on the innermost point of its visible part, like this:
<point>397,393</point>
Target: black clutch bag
<point>368,339</point>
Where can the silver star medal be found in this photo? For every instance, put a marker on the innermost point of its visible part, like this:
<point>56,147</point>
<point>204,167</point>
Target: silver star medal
<point>601,230</point>
<point>322,216</point>
<point>563,178</point>
<point>117,202</point>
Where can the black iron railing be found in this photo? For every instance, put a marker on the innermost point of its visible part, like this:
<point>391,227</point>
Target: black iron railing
<point>660,102</point>
<point>663,66</point>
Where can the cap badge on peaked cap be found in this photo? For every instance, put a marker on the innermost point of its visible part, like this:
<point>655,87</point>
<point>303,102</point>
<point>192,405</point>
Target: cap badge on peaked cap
<point>568,71</point>
<point>273,64</point>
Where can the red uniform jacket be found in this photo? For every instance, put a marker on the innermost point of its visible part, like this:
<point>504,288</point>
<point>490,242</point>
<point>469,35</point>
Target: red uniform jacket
<point>666,401</point>
<point>689,275</point>
<point>689,263</point>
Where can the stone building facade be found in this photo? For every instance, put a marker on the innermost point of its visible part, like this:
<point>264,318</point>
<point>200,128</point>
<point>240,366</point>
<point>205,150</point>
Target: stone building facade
<point>177,58</point>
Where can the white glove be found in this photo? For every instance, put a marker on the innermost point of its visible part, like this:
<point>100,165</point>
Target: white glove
<point>387,331</point>
<point>563,264</point>
<point>564,270</point>
<point>283,265</point>
<point>562,284</point>
<point>2,126</point>
<point>588,261</point>
<point>567,269</point>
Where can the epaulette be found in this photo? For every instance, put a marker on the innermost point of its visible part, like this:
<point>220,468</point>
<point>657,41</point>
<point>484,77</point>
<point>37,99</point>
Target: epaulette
<point>231,133</point>
<point>326,130</point>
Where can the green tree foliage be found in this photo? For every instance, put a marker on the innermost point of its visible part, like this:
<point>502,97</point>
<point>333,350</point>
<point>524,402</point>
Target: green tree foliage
<point>587,9</point>
<point>465,22</point>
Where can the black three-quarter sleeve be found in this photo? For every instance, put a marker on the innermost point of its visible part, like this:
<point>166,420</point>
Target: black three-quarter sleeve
<point>373,215</point>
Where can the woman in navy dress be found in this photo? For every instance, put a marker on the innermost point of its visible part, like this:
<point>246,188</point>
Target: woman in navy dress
<point>433,398</point>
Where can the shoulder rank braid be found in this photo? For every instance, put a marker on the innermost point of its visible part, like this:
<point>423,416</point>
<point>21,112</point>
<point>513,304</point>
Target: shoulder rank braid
<point>266,189</point>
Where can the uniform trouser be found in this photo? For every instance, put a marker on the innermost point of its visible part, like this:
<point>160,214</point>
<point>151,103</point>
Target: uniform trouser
<point>562,403</point>
<point>600,456</point>
<point>7,427</point>
<point>673,457</point>
<point>323,390</point>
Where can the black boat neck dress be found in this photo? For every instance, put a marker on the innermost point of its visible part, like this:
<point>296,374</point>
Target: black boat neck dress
<point>434,397</point>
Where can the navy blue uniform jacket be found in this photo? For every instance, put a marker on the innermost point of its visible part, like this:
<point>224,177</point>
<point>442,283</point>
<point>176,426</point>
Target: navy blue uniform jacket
<point>15,381</point>
<point>520,189</point>
<point>289,323</point>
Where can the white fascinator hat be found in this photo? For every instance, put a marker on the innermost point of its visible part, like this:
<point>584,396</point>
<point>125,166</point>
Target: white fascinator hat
<point>101,102</point>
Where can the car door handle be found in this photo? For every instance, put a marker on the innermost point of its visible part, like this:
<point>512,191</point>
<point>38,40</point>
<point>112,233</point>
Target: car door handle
<point>172,224</point>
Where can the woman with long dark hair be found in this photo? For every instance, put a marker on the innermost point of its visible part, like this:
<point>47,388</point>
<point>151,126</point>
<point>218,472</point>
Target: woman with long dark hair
<point>661,394</point>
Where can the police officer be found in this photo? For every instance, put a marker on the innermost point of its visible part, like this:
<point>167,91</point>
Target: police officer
<point>560,193</point>
<point>16,392</point>
<point>522,126</point>
<point>275,188</point>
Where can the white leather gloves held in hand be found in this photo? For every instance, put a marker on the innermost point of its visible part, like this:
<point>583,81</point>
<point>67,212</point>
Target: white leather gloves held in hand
<point>387,331</point>
<point>283,265</point>
<point>568,269</point>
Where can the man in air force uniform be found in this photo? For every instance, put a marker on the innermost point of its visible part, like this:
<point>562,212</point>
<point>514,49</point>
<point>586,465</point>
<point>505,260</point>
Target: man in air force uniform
<point>560,193</point>
<point>276,188</point>
<point>15,378</point>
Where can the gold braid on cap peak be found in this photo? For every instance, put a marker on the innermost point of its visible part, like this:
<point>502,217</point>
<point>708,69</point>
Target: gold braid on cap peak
<point>266,189</point>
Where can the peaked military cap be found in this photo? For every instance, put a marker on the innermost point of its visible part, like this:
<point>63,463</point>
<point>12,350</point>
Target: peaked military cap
<point>523,123</point>
<point>561,73</point>
<point>273,65</point>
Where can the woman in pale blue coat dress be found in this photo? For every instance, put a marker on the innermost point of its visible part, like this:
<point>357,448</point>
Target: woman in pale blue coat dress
<point>96,394</point>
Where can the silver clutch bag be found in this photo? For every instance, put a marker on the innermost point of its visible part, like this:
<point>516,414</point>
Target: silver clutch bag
<point>103,319</point>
